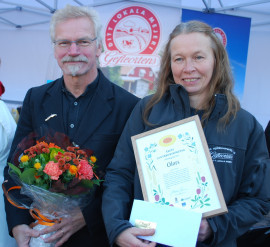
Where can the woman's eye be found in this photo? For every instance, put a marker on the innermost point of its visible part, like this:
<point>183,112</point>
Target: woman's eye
<point>178,59</point>
<point>199,57</point>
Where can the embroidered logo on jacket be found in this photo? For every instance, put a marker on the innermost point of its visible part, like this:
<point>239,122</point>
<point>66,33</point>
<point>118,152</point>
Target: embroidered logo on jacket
<point>222,154</point>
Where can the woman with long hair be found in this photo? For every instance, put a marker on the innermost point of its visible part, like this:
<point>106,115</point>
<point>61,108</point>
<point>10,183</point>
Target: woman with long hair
<point>195,78</point>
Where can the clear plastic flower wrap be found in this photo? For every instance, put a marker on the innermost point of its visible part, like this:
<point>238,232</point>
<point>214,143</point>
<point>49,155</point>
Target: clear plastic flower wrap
<point>48,208</point>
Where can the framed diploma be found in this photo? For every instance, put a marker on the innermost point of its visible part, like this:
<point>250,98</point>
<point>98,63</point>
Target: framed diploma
<point>175,168</point>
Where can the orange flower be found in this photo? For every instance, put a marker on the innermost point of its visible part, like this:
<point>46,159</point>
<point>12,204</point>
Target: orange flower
<point>58,156</point>
<point>37,165</point>
<point>93,159</point>
<point>76,162</point>
<point>24,158</point>
<point>45,150</point>
<point>73,169</point>
<point>71,149</point>
<point>52,145</point>
<point>67,158</point>
<point>81,152</point>
<point>66,166</point>
<point>61,161</point>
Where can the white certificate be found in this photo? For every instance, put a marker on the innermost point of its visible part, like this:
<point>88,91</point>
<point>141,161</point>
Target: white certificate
<point>176,169</point>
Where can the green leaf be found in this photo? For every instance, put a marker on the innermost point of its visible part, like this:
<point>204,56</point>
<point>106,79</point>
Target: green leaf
<point>53,153</point>
<point>97,182</point>
<point>15,169</point>
<point>87,183</point>
<point>28,176</point>
<point>44,186</point>
<point>45,158</point>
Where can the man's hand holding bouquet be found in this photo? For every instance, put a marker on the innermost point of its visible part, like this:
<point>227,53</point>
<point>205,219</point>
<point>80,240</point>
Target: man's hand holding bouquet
<point>59,183</point>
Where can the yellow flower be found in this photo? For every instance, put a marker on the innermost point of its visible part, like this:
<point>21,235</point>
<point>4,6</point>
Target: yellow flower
<point>93,159</point>
<point>24,158</point>
<point>73,169</point>
<point>37,165</point>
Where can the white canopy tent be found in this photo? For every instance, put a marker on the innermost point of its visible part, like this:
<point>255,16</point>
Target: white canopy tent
<point>25,48</point>
<point>29,13</point>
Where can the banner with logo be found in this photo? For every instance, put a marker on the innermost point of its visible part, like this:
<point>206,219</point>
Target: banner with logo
<point>132,43</point>
<point>234,33</point>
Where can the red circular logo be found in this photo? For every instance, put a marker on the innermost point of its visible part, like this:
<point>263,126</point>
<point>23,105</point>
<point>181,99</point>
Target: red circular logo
<point>133,30</point>
<point>221,35</point>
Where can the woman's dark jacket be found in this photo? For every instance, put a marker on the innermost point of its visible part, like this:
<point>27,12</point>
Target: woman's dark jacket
<point>239,155</point>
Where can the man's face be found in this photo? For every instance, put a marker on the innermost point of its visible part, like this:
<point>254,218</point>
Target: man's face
<point>76,60</point>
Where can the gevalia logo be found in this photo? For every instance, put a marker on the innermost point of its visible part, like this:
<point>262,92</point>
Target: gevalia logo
<point>131,38</point>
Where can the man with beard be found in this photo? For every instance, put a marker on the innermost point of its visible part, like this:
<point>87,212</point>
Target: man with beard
<point>85,106</point>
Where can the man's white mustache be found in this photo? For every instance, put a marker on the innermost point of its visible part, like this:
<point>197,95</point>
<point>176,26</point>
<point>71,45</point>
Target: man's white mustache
<point>74,59</point>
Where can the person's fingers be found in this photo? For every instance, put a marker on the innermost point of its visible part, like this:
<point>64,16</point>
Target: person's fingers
<point>33,233</point>
<point>62,240</point>
<point>57,235</point>
<point>50,229</point>
<point>143,232</point>
<point>23,234</point>
<point>129,237</point>
<point>152,244</point>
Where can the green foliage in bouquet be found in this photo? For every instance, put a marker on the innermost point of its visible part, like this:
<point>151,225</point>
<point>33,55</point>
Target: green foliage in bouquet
<point>52,168</point>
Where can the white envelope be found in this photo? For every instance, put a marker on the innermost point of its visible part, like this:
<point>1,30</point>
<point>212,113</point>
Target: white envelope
<point>174,226</point>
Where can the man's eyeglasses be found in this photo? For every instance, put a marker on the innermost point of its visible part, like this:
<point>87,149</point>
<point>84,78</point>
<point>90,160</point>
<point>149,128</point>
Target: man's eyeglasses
<point>79,42</point>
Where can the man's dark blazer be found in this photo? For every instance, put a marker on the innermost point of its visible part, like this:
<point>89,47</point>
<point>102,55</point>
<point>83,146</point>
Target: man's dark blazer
<point>99,130</point>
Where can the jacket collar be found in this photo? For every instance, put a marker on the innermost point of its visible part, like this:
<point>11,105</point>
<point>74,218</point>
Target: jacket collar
<point>181,100</point>
<point>99,109</point>
<point>52,106</point>
<point>96,112</point>
<point>220,106</point>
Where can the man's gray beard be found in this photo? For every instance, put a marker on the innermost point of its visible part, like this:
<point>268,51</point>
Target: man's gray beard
<point>73,69</point>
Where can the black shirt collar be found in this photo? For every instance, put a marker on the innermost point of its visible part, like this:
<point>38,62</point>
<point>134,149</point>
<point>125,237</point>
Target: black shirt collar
<point>89,89</point>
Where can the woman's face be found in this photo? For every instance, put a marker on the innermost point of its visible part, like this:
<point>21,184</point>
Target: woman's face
<point>192,64</point>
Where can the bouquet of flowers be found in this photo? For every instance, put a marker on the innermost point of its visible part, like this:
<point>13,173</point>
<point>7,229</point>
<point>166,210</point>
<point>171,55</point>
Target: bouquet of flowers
<point>57,181</point>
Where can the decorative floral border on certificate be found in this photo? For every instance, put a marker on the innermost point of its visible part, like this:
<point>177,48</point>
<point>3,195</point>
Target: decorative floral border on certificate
<point>175,168</point>
<point>201,199</point>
